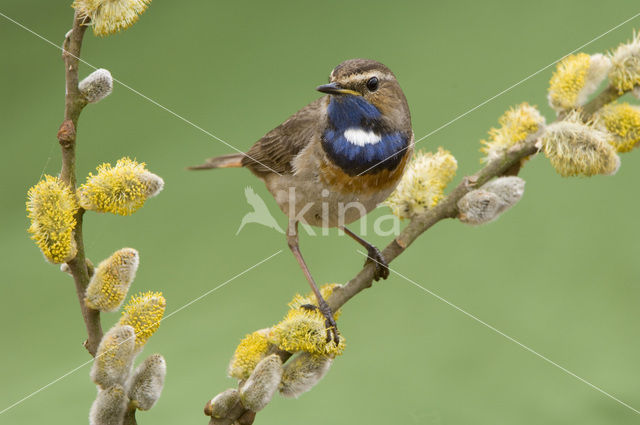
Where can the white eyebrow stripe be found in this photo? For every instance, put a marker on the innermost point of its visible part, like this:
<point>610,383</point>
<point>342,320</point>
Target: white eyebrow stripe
<point>359,137</point>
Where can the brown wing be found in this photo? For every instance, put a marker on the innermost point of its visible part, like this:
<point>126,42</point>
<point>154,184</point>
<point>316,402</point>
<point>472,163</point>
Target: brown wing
<point>277,149</point>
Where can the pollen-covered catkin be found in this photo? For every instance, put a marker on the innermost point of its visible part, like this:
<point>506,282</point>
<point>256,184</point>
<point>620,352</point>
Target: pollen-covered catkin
<point>303,372</point>
<point>622,121</point>
<point>305,330</point>
<point>111,280</point>
<point>625,70</point>
<point>489,201</point>
<point>52,207</point>
<point>144,313</point>
<point>259,389</point>
<point>248,354</point>
<point>575,79</point>
<point>147,382</point>
<point>575,148</point>
<point>97,85</point>
<point>122,189</point>
<point>221,405</point>
<point>109,406</point>
<point>110,16</point>
<point>516,125</point>
<point>114,358</point>
<point>423,184</point>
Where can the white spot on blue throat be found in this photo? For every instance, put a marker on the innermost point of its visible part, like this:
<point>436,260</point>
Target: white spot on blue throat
<point>360,137</point>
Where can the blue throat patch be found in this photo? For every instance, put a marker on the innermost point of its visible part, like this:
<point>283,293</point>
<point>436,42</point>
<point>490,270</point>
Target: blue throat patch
<point>378,148</point>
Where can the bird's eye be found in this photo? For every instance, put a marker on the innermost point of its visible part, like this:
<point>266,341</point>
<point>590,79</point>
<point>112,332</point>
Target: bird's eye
<point>372,84</point>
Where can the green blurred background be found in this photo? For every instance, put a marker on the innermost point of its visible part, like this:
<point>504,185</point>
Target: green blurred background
<point>559,272</point>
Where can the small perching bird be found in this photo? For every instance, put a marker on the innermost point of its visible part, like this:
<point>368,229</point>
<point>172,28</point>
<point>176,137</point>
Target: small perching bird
<point>336,159</point>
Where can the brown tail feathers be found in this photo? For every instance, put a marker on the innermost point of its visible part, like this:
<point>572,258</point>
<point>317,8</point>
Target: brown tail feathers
<point>232,160</point>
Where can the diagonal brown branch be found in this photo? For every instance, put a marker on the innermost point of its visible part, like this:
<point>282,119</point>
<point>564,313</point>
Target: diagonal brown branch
<point>446,208</point>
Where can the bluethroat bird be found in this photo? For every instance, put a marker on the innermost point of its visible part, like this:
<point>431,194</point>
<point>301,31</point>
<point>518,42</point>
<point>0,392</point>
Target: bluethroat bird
<point>336,159</point>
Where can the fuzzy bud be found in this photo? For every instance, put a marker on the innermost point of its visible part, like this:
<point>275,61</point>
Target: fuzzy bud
<point>109,407</point>
<point>122,189</point>
<point>114,357</point>
<point>515,126</point>
<point>96,86</point>
<point>144,313</point>
<point>575,148</point>
<point>110,16</point>
<point>303,372</point>
<point>248,354</point>
<point>575,79</point>
<point>258,390</point>
<point>492,199</point>
<point>111,280</point>
<point>305,330</point>
<point>622,121</point>
<point>221,405</point>
<point>52,208</point>
<point>625,69</point>
<point>147,382</point>
<point>423,183</point>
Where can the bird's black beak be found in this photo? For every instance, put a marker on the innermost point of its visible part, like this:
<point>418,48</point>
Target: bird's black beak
<point>335,88</point>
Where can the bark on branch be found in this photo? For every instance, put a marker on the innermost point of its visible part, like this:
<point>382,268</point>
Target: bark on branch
<point>73,105</point>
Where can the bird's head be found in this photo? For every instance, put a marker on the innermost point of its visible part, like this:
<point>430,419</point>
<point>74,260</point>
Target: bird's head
<point>372,82</point>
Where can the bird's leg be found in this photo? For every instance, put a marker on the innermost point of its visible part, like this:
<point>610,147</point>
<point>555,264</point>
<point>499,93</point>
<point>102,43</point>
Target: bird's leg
<point>292,240</point>
<point>373,255</point>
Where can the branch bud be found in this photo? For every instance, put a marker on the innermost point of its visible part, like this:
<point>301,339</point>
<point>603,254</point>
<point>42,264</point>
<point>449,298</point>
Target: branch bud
<point>122,189</point>
<point>111,281</point>
<point>52,208</point>
<point>303,372</point>
<point>492,199</point>
<point>147,382</point>
<point>625,69</point>
<point>575,148</point>
<point>258,390</point>
<point>221,405</point>
<point>109,407</point>
<point>96,86</point>
<point>114,358</point>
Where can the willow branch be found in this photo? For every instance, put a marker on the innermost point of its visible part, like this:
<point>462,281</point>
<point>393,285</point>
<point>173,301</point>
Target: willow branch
<point>73,105</point>
<point>447,208</point>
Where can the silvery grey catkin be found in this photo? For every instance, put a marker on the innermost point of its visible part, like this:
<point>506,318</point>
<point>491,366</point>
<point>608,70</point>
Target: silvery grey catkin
<point>302,373</point>
<point>489,201</point>
<point>114,358</point>
<point>264,381</point>
<point>97,85</point>
<point>147,382</point>
<point>109,406</point>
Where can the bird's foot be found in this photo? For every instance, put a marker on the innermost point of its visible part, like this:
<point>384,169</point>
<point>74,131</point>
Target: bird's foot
<point>382,267</point>
<point>329,322</point>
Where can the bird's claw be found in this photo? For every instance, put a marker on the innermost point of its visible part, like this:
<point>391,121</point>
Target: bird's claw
<point>329,322</point>
<point>382,267</point>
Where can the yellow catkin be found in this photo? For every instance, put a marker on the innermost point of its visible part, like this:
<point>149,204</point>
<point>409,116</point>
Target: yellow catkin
<point>110,16</point>
<point>622,120</point>
<point>575,79</point>
<point>625,69</point>
<point>248,354</point>
<point>423,184</point>
<point>578,149</point>
<point>305,330</point>
<point>310,299</point>
<point>52,207</point>
<point>143,313</point>
<point>111,280</point>
<point>515,125</point>
<point>122,189</point>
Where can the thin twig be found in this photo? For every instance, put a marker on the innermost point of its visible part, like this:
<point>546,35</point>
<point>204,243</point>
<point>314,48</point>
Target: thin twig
<point>74,103</point>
